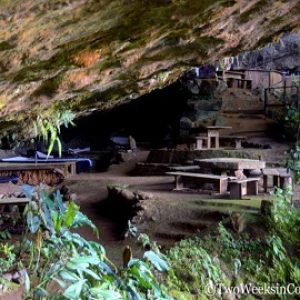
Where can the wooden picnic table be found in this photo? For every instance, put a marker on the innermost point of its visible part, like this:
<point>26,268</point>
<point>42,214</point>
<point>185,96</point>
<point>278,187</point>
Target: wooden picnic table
<point>230,164</point>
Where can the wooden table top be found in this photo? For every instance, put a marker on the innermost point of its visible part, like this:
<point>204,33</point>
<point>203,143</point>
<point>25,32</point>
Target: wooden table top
<point>230,163</point>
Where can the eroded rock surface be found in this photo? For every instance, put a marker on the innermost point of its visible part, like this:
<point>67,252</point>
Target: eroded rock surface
<point>86,54</point>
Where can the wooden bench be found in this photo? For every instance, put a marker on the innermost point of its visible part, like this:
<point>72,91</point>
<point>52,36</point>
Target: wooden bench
<point>196,180</point>
<point>14,201</point>
<point>236,139</point>
<point>6,202</point>
<point>281,178</point>
<point>240,188</point>
<point>185,168</point>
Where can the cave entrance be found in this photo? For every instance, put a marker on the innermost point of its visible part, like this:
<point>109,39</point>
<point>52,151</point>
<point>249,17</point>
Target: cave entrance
<point>152,120</point>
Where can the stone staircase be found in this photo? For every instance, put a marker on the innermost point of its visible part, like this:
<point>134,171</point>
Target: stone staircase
<point>243,110</point>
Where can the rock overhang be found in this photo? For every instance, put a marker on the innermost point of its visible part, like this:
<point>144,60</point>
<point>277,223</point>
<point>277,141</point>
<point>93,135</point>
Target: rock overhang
<point>91,55</point>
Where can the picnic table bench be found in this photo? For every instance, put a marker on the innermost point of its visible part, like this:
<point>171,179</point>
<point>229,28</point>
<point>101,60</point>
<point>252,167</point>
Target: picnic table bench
<point>14,201</point>
<point>236,139</point>
<point>242,187</point>
<point>7,201</point>
<point>281,178</point>
<point>210,135</point>
<point>195,180</point>
<point>184,168</point>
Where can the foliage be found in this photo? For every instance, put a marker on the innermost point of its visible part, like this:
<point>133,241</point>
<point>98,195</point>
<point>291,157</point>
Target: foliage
<point>293,162</point>
<point>192,263</point>
<point>7,257</point>
<point>284,219</point>
<point>228,259</point>
<point>48,128</point>
<point>131,230</point>
<point>77,267</point>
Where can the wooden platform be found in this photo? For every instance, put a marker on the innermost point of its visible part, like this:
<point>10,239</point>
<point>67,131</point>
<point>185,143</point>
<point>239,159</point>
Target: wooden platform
<point>68,167</point>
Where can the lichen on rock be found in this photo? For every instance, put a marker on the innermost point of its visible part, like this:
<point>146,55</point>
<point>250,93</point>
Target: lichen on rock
<point>88,55</point>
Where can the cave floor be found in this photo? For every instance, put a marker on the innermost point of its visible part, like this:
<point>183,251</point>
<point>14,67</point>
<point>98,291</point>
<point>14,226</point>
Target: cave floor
<point>172,215</point>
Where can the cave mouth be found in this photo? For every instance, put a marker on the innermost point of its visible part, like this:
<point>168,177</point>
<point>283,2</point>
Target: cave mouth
<point>153,120</point>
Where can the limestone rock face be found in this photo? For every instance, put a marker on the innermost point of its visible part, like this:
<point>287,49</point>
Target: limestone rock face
<point>86,55</point>
<point>279,56</point>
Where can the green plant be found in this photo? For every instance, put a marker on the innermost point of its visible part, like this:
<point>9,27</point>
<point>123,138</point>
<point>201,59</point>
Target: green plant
<point>192,263</point>
<point>79,267</point>
<point>285,220</point>
<point>229,243</point>
<point>5,235</point>
<point>7,257</point>
<point>48,128</point>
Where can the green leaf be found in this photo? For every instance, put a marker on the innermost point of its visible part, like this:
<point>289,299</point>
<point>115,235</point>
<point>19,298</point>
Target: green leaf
<point>28,190</point>
<point>59,202</point>
<point>74,290</point>
<point>33,222</point>
<point>81,219</point>
<point>57,221</point>
<point>69,276</point>
<point>27,283</point>
<point>92,274</point>
<point>102,294</point>
<point>72,210</point>
<point>160,264</point>
<point>59,146</point>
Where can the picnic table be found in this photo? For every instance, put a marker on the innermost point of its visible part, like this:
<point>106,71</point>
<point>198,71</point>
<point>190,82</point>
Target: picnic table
<point>230,164</point>
<point>212,134</point>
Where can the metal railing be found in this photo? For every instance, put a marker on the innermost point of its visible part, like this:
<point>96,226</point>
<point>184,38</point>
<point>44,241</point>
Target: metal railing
<point>281,97</point>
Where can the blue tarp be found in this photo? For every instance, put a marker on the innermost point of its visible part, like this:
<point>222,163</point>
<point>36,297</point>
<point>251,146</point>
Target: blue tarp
<point>6,179</point>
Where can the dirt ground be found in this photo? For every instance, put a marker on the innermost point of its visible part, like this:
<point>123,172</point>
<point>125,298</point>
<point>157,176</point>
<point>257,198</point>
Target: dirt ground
<point>172,216</point>
<point>169,216</point>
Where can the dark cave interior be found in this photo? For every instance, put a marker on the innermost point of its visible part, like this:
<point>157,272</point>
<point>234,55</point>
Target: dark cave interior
<point>152,120</point>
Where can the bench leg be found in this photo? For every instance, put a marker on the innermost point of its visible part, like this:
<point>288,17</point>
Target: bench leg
<point>285,182</point>
<point>235,191</point>
<point>199,145</point>
<point>223,185</point>
<point>265,183</point>
<point>208,142</point>
<point>66,170</point>
<point>276,181</point>
<point>252,188</point>
<point>73,168</point>
<point>238,144</point>
<point>178,183</point>
<point>217,141</point>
